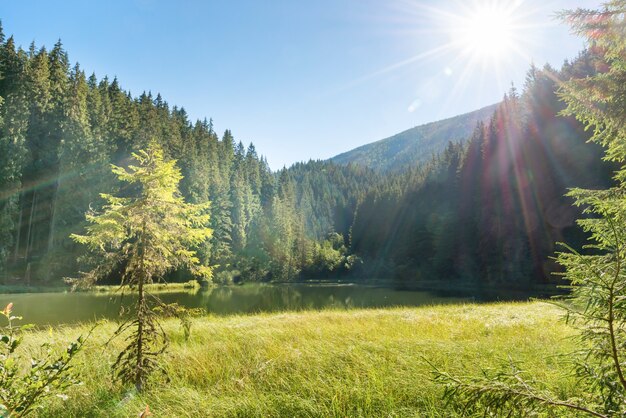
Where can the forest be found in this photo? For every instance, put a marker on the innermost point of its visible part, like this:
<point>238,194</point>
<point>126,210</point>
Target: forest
<point>492,210</point>
<point>345,287</point>
<point>60,132</point>
<point>485,211</point>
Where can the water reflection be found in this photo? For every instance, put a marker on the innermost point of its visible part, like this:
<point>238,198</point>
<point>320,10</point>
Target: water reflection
<point>66,308</point>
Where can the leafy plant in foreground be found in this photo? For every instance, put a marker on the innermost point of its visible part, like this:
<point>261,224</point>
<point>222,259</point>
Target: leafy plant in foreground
<point>21,393</point>
<point>597,305</point>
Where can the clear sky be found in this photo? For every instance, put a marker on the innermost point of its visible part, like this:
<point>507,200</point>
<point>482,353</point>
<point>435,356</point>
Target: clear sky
<point>305,79</point>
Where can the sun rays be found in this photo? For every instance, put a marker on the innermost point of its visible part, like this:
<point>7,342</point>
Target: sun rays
<point>487,32</point>
<point>485,40</point>
<point>476,42</point>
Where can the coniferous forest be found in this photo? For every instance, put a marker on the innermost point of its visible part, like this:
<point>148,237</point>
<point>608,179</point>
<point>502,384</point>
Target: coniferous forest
<point>393,279</point>
<point>487,210</point>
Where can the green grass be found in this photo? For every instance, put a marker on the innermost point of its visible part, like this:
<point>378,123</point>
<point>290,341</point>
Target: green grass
<point>321,363</point>
<point>191,285</point>
<point>36,288</point>
<point>162,287</point>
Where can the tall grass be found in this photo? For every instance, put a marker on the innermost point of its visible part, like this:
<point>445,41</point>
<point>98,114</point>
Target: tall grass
<point>162,287</point>
<point>321,363</point>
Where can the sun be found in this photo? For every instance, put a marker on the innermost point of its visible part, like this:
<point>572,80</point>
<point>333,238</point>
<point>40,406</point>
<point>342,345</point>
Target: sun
<point>487,30</point>
<point>483,42</point>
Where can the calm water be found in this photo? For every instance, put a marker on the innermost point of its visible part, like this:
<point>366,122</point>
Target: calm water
<point>65,308</point>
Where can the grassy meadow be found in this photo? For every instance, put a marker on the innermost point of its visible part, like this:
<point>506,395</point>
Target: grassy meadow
<point>319,363</point>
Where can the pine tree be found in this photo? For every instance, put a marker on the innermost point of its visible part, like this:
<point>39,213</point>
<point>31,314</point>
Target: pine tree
<point>597,307</point>
<point>14,118</point>
<point>598,279</point>
<point>145,235</point>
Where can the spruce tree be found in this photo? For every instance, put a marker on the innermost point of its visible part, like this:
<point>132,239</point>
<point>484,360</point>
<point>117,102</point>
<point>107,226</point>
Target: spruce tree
<point>598,280</point>
<point>14,117</point>
<point>145,235</point>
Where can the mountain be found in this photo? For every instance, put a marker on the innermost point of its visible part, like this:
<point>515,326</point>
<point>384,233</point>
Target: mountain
<point>417,144</point>
<point>492,210</point>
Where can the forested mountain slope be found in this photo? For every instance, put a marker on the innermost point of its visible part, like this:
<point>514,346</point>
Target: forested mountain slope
<point>416,145</point>
<point>59,132</point>
<point>484,205</point>
<point>489,212</point>
<point>328,194</point>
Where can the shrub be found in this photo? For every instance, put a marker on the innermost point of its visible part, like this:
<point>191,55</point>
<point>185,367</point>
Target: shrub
<point>21,392</point>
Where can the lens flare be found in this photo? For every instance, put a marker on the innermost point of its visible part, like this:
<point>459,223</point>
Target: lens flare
<point>477,42</point>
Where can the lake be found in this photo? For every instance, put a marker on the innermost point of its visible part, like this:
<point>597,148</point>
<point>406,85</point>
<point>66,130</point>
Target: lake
<point>67,308</point>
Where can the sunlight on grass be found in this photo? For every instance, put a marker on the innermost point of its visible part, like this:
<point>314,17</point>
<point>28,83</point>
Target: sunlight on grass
<point>323,363</point>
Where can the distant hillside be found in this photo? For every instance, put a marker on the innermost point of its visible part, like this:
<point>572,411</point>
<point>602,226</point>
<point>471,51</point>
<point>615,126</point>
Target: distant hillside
<point>417,144</point>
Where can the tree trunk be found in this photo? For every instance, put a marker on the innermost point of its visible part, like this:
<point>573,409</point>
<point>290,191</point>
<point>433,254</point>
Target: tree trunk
<point>29,237</point>
<point>20,204</point>
<point>141,313</point>
<point>139,376</point>
<point>53,215</point>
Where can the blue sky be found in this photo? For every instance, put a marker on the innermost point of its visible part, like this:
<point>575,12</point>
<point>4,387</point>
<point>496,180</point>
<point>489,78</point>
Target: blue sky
<point>300,79</point>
